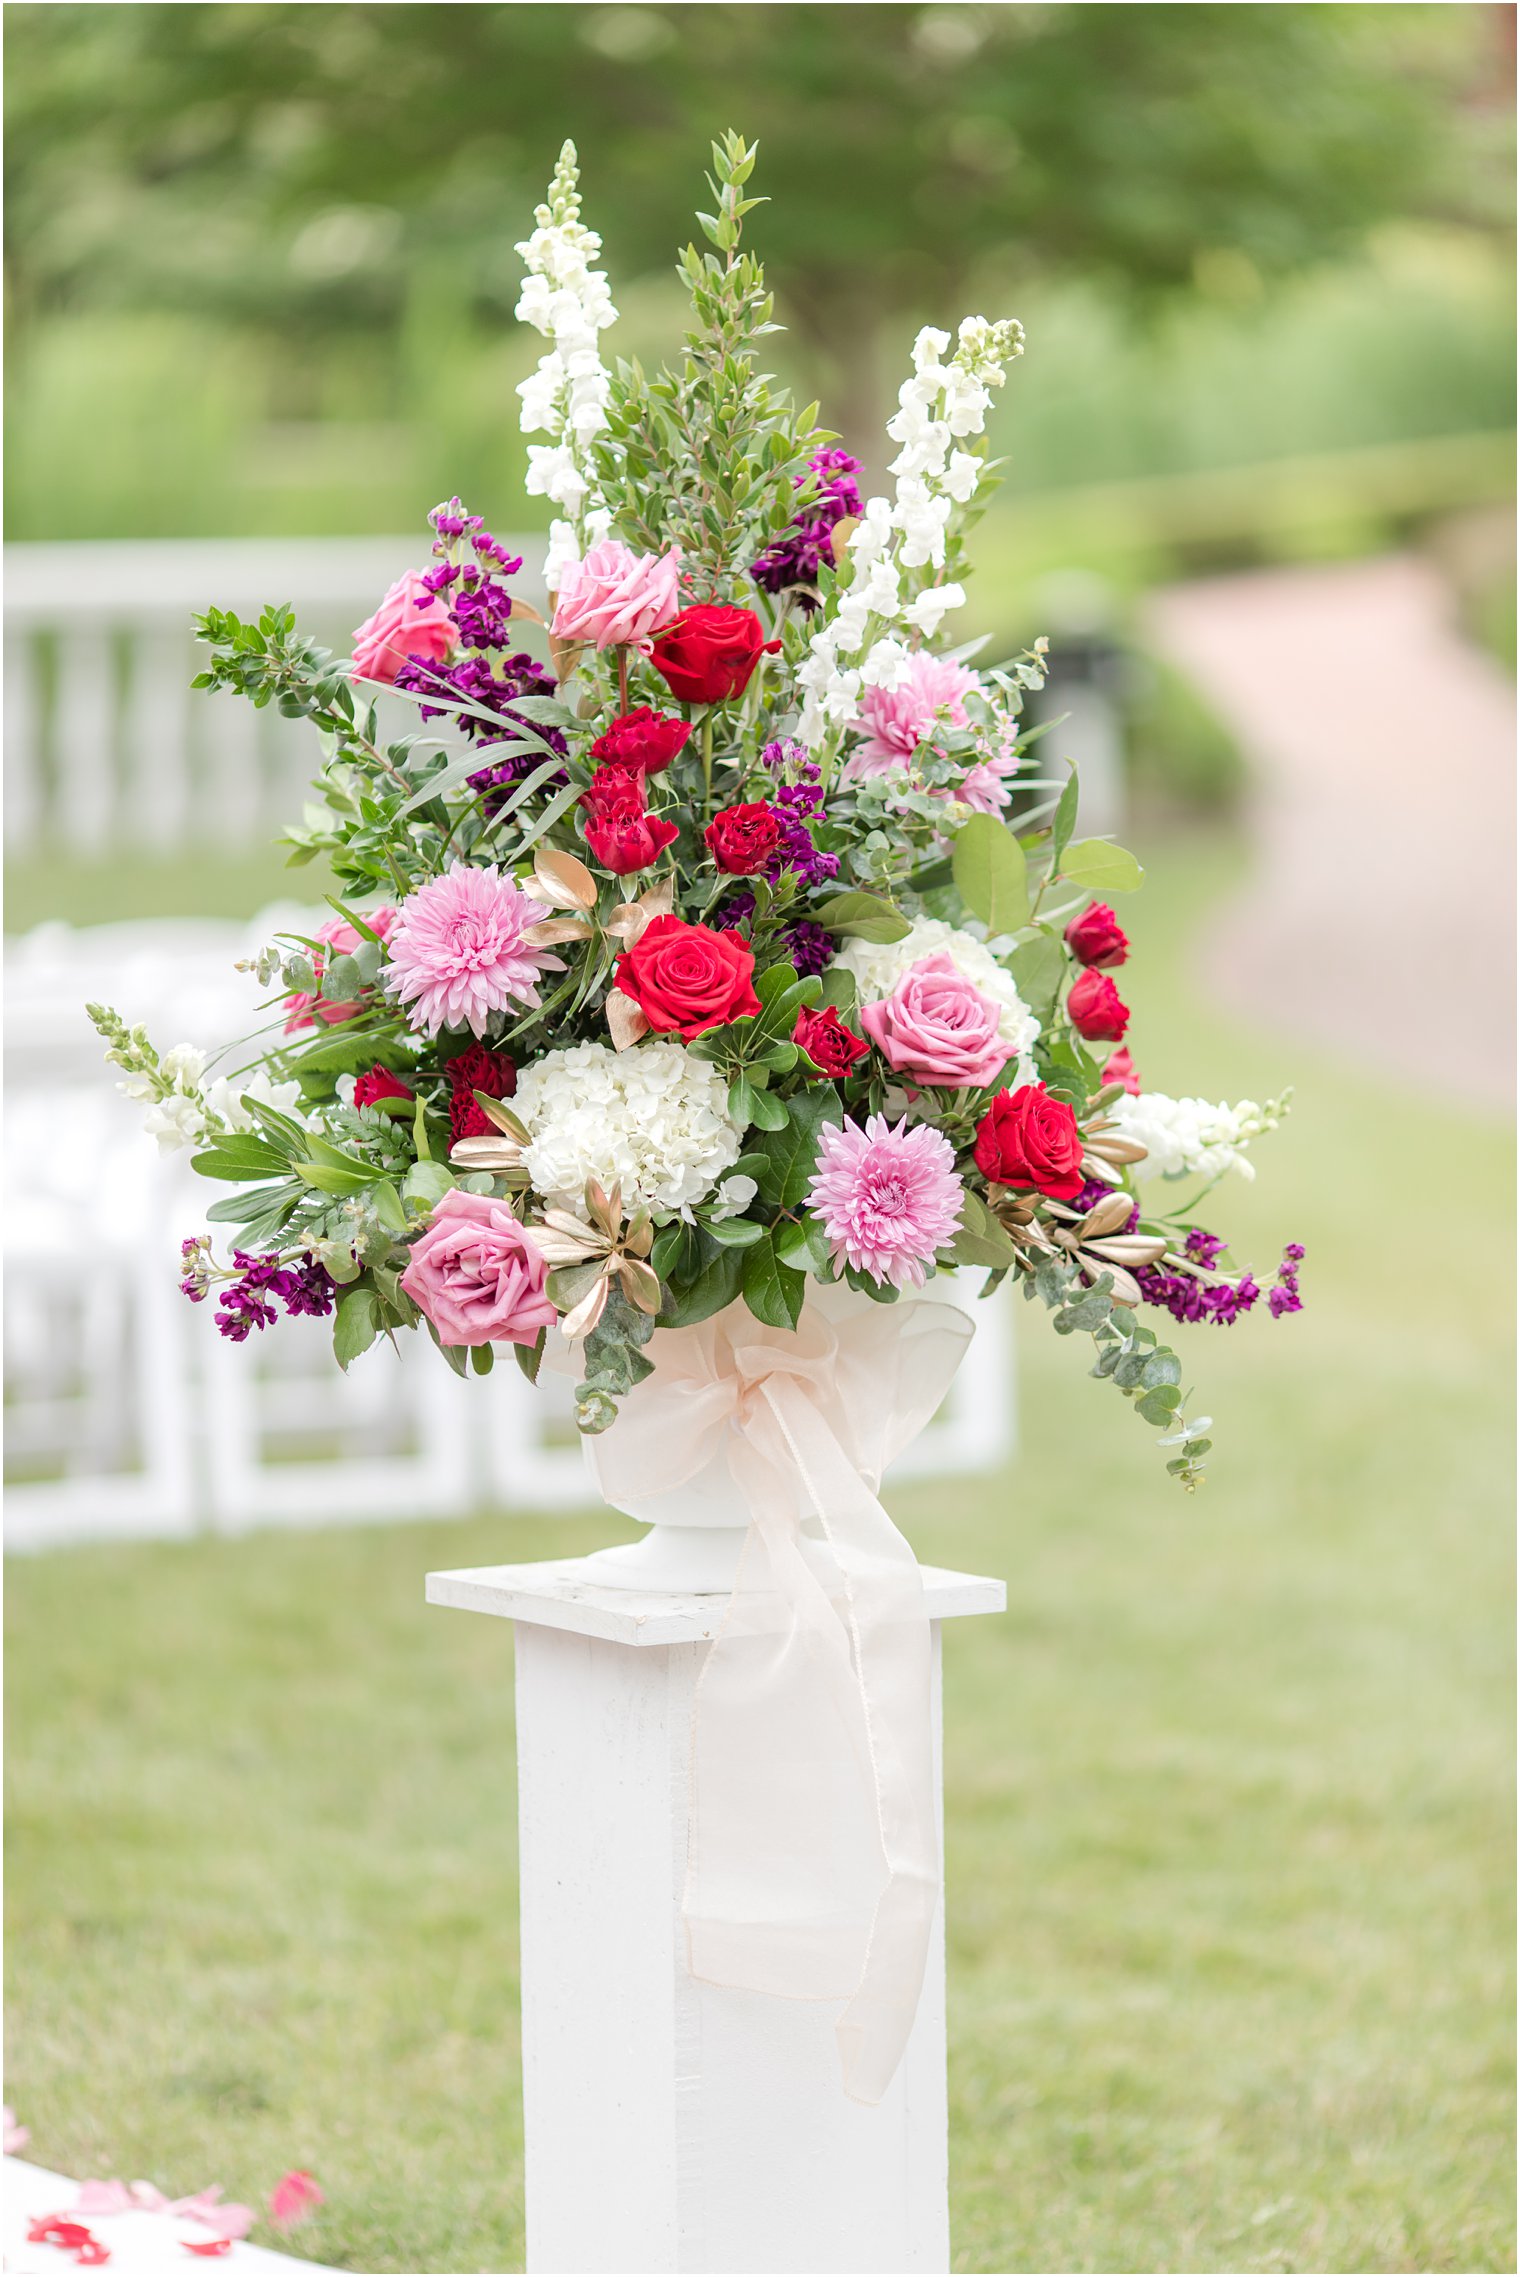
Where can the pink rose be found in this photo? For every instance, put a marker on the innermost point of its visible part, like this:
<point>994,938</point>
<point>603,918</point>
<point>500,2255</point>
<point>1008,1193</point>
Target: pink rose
<point>410,621</point>
<point>898,719</point>
<point>936,1028</point>
<point>306,1008</point>
<point>616,596</point>
<point>477,1275</point>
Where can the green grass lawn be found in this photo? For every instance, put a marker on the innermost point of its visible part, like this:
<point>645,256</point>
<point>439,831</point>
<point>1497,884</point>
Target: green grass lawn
<point>1228,1845</point>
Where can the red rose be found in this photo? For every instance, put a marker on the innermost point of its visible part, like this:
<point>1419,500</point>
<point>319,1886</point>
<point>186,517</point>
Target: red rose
<point>1097,937</point>
<point>742,839</point>
<point>685,978</point>
<point>1096,1009</point>
<point>830,1045</point>
<point>624,844</point>
<point>614,794</point>
<point>710,652</point>
<point>380,1083</point>
<point>620,832</point>
<point>644,739</point>
<point>1026,1138</point>
<point>1120,1068</point>
<point>477,1069</point>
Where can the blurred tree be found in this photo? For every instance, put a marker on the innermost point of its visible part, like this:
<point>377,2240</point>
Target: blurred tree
<point>369,166</point>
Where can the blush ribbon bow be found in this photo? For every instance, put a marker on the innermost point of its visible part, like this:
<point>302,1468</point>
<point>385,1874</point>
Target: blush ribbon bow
<point>813,1850</point>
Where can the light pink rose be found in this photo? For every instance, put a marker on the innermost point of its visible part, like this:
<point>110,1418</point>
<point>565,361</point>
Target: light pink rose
<point>898,719</point>
<point>400,628</point>
<point>936,1028</point>
<point>616,596</point>
<point>306,1008</point>
<point>478,1275</point>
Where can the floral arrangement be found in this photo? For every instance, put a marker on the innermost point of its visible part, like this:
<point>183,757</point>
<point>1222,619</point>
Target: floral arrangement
<point>721,930</point>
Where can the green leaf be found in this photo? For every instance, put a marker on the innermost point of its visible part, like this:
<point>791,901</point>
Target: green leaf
<point>1161,1368</point>
<point>838,988</point>
<point>1102,868</point>
<point>715,1286</point>
<point>677,1252</point>
<point>389,1208</point>
<point>1038,967</point>
<point>990,874</point>
<point>529,1357</point>
<point>239,1156</point>
<point>864,916</point>
<point>482,1359</point>
<point>801,1243</point>
<point>1065,820</point>
<point>980,1240</point>
<point>773,1291</point>
<point>775,978</point>
<point>734,1233</point>
<point>426,1183</point>
<point>1156,1406</point>
<point>754,1107</point>
<point>355,1324</point>
<point>790,1153</point>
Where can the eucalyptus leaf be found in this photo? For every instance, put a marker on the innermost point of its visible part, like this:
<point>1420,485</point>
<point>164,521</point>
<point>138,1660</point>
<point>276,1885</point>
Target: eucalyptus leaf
<point>990,873</point>
<point>1102,868</point>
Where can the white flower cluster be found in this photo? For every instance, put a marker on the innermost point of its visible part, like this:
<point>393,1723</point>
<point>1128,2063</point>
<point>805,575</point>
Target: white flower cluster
<point>569,302</point>
<point>651,1119</point>
<point>1187,1137</point>
<point>878,966</point>
<point>938,408</point>
<point>182,1114</point>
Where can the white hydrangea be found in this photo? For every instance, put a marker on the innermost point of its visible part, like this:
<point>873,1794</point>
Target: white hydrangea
<point>878,966</point>
<point>940,405</point>
<point>1184,1137</point>
<point>569,302</point>
<point>651,1119</point>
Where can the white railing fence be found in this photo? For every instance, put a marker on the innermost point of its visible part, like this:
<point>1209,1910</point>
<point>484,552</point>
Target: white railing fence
<point>107,747</point>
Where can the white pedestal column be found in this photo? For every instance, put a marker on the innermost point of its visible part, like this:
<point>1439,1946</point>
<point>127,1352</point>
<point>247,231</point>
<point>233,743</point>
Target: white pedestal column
<point>672,2125</point>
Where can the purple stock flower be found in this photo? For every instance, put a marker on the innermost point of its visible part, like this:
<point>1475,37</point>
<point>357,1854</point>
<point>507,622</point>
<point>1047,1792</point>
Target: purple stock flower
<point>806,544</point>
<point>472,681</point>
<point>249,1302</point>
<point>797,804</point>
<point>1284,1297</point>
<point>811,946</point>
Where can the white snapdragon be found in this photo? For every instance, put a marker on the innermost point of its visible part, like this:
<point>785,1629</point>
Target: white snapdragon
<point>175,1122</point>
<point>569,302</point>
<point>1193,1137</point>
<point>225,1097</point>
<point>878,966</point>
<point>652,1120</point>
<point>938,406</point>
<point>176,1116</point>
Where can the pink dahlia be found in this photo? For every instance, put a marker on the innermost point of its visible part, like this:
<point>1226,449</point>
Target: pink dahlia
<point>888,1197</point>
<point>898,719</point>
<point>458,950</point>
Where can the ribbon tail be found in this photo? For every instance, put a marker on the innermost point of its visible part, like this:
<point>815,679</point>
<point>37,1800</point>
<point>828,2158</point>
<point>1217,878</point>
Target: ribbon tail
<point>883,1607</point>
<point>813,1868</point>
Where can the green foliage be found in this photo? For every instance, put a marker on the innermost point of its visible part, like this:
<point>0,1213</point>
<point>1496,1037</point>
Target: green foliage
<point>989,869</point>
<point>710,457</point>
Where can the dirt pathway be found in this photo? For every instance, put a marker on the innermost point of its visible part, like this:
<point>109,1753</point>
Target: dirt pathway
<point>1381,916</point>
